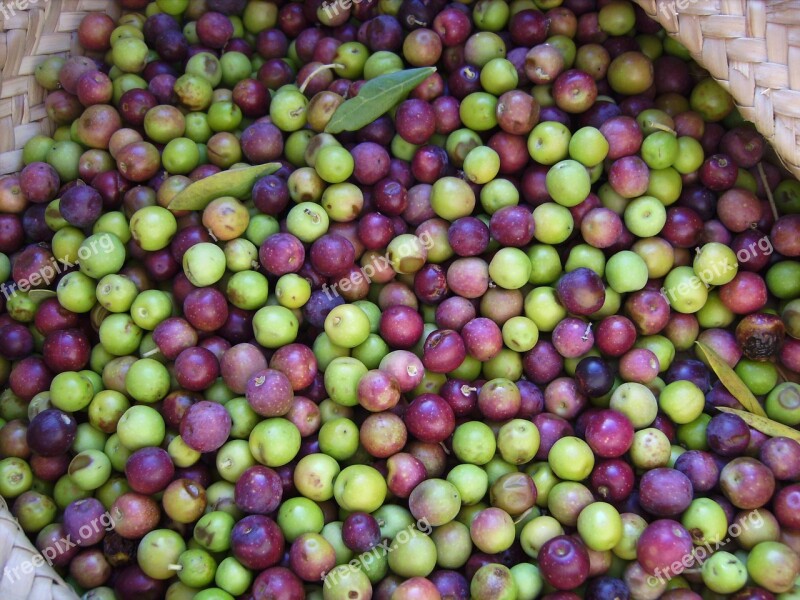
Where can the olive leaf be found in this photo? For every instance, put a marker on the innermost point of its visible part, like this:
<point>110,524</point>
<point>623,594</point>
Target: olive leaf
<point>731,381</point>
<point>763,424</point>
<point>375,98</point>
<point>38,295</point>
<point>234,182</point>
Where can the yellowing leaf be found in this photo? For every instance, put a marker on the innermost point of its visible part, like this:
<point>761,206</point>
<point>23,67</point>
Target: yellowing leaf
<point>764,425</point>
<point>235,182</point>
<point>731,381</point>
<point>38,295</point>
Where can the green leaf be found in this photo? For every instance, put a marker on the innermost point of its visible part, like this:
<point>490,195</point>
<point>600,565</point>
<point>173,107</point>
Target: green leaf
<point>235,182</point>
<point>731,381</point>
<point>375,98</point>
<point>764,425</point>
<point>38,295</point>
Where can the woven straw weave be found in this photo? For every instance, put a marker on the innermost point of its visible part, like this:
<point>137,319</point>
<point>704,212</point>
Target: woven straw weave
<point>752,47</point>
<point>16,552</point>
<point>27,38</point>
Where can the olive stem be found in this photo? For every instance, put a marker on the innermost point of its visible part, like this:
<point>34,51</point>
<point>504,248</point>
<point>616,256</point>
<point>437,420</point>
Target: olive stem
<point>317,70</point>
<point>764,182</point>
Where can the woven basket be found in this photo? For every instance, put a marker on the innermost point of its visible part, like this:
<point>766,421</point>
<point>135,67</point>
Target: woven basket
<point>20,578</point>
<point>27,38</point>
<point>752,47</point>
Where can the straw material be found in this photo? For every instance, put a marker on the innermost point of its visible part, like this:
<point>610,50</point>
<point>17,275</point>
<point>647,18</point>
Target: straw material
<point>20,577</point>
<point>28,37</point>
<point>752,47</point>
